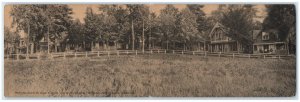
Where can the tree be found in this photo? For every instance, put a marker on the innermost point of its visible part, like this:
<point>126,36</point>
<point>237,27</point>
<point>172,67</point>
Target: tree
<point>11,39</point>
<point>58,19</point>
<point>92,27</point>
<point>200,16</point>
<point>119,22</point>
<point>108,31</point>
<point>282,18</point>
<point>167,19</point>
<point>239,21</point>
<point>34,19</point>
<point>204,24</point>
<point>138,14</point>
<point>188,27</point>
<point>152,29</point>
<point>145,12</point>
<point>28,18</point>
<point>76,33</point>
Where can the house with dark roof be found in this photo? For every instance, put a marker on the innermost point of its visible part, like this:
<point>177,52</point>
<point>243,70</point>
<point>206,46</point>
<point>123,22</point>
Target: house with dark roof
<point>267,42</point>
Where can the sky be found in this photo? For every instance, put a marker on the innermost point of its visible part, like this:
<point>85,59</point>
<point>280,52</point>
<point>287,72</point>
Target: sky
<point>79,10</point>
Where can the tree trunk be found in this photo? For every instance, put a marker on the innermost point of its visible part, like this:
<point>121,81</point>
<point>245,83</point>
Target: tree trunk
<point>107,44</point>
<point>55,45</point>
<point>55,48</point>
<point>132,35</point>
<point>97,45</point>
<point>167,41</point>
<point>167,44</point>
<point>174,45</point>
<point>92,45</point>
<point>32,48</point>
<point>28,38</point>
<point>48,40</point>
<point>115,44</point>
<point>184,46</point>
<point>149,42</point>
<point>153,45</point>
<point>104,45</point>
<point>83,45</point>
<point>143,38</point>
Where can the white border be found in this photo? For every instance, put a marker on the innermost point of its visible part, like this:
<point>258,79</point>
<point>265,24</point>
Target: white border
<point>173,99</point>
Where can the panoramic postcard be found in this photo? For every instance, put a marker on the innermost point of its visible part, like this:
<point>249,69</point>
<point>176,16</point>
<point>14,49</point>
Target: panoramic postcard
<point>149,50</point>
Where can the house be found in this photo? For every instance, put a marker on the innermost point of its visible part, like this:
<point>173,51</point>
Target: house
<point>220,42</point>
<point>267,42</point>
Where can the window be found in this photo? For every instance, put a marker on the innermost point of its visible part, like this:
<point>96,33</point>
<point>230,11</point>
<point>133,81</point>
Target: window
<point>265,36</point>
<point>22,43</point>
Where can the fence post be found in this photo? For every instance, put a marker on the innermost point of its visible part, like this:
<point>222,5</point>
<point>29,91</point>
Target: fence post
<point>37,55</point>
<point>75,55</point>
<point>108,53</point>
<point>193,53</point>
<point>117,53</point>
<point>158,51</point>
<point>85,54</point>
<point>135,52</point>
<point>126,52</point>
<point>17,56</point>
<point>173,52</point>
<point>98,53</point>
<point>249,56</point>
<point>182,52</point>
<point>165,51</point>
<point>64,55</point>
<point>151,51</point>
<point>219,54</point>
<point>50,56</point>
<point>233,55</point>
<point>205,54</point>
<point>27,56</point>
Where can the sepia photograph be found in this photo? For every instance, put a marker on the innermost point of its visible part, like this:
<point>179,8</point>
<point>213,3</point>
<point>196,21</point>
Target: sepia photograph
<point>149,50</point>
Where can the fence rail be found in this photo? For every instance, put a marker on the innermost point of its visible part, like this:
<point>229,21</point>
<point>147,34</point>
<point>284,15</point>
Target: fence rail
<point>65,55</point>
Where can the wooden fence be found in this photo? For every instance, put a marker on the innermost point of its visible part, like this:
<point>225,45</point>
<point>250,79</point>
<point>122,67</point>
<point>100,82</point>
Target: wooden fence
<point>65,55</point>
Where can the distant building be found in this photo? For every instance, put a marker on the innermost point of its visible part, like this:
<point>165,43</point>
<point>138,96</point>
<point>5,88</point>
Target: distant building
<point>267,42</point>
<point>220,42</point>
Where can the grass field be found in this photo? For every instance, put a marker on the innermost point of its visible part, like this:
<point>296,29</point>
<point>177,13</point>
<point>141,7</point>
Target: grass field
<point>155,75</point>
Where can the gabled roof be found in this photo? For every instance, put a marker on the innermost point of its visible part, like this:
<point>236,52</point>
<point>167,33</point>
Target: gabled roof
<point>217,25</point>
<point>273,37</point>
<point>255,33</point>
<point>224,29</point>
<point>271,31</point>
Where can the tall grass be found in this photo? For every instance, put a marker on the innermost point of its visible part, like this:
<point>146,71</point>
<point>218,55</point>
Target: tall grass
<point>155,75</point>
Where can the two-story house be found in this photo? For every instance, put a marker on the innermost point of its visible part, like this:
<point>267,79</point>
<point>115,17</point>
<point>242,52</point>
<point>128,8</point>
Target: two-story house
<point>267,42</point>
<point>220,42</point>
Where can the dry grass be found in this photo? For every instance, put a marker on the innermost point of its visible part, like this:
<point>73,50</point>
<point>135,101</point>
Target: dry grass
<point>156,75</point>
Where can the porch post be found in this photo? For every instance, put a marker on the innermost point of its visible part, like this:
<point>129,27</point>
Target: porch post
<point>287,47</point>
<point>204,46</point>
<point>238,46</point>
<point>253,48</point>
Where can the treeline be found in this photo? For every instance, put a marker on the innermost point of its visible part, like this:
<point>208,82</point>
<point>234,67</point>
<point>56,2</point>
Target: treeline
<point>133,26</point>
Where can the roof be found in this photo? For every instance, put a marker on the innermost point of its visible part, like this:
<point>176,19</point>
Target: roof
<point>255,33</point>
<point>217,25</point>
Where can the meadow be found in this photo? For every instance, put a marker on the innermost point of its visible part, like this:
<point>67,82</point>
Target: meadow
<point>160,75</point>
